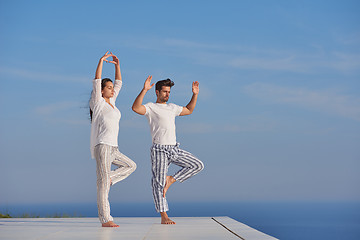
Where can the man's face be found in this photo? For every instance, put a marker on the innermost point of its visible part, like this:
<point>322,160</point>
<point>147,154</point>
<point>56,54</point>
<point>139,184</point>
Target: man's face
<point>163,94</point>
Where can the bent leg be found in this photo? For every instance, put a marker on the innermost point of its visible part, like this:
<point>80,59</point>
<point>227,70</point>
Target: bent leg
<point>103,168</point>
<point>190,164</point>
<point>125,166</point>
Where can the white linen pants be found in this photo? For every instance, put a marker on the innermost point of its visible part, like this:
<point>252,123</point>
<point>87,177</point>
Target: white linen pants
<point>106,155</point>
<point>161,158</point>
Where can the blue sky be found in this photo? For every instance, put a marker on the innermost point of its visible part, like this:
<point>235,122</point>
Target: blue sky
<point>278,115</point>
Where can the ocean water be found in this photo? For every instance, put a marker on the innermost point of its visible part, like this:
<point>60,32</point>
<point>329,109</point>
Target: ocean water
<point>283,220</point>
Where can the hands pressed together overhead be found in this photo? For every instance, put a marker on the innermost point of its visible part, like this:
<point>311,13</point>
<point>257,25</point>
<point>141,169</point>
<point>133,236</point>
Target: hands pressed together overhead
<point>115,60</point>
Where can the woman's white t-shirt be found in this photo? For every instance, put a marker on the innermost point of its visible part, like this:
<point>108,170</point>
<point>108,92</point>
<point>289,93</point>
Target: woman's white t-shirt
<point>105,118</point>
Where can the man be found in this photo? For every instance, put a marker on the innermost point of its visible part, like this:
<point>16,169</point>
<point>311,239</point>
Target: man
<point>165,150</point>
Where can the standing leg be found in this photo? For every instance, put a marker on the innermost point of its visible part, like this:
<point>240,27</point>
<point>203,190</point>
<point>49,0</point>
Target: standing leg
<point>103,168</point>
<point>125,166</point>
<point>159,165</point>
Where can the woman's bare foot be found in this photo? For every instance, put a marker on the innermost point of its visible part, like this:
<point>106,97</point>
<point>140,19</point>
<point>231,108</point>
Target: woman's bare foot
<point>110,224</point>
<point>165,219</point>
<point>169,180</point>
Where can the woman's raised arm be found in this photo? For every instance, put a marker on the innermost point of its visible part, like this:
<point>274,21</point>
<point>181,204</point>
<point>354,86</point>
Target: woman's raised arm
<point>100,64</point>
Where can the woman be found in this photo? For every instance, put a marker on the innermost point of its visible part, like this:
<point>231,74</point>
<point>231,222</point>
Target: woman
<point>105,119</point>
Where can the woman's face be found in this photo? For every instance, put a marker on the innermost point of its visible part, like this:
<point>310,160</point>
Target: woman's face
<point>108,91</point>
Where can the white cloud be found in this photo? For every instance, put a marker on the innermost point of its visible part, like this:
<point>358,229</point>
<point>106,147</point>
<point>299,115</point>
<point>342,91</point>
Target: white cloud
<point>55,107</point>
<point>311,59</point>
<point>350,40</point>
<point>345,62</point>
<point>182,43</point>
<point>287,63</point>
<point>40,76</point>
<point>327,101</point>
<point>196,127</point>
<point>67,112</point>
<point>259,123</point>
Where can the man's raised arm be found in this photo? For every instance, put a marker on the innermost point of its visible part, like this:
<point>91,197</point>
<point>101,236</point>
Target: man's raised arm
<point>137,105</point>
<point>191,105</point>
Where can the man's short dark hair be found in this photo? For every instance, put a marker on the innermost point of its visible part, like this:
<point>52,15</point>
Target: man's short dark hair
<point>161,83</point>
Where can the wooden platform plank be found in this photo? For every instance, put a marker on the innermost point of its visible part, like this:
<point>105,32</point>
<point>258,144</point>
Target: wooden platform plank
<point>149,228</point>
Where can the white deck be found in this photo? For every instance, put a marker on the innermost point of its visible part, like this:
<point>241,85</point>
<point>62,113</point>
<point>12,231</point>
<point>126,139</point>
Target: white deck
<point>206,228</point>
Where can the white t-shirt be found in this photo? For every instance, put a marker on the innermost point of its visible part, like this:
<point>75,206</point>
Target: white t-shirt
<point>161,119</point>
<point>105,118</point>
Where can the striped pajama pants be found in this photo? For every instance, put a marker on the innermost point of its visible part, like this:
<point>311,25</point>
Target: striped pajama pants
<point>106,155</point>
<point>161,157</point>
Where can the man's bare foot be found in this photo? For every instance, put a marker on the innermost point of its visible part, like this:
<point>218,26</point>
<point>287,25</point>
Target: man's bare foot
<point>110,224</point>
<point>169,180</point>
<point>165,219</point>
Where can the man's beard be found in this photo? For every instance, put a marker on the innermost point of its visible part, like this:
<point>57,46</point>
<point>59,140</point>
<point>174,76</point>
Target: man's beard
<point>165,99</point>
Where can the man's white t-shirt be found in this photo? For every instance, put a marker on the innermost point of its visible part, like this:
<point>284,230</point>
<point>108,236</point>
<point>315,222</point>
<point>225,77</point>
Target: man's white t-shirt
<point>161,119</point>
